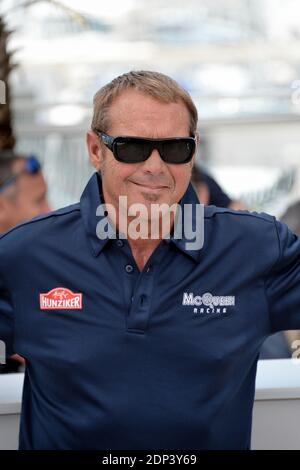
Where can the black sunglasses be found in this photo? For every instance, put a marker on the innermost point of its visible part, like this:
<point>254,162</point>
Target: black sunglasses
<point>32,166</point>
<point>127,149</point>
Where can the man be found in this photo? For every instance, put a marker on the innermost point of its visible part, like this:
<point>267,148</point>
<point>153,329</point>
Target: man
<point>23,190</point>
<point>176,331</point>
<point>23,195</point>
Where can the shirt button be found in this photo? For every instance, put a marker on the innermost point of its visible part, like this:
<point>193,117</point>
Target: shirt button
<point>143,300</point>
<point>120,243</point>
<point>149,269</point>
<point>129,268</point>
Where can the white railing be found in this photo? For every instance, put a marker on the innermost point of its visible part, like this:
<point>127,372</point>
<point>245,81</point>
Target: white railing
<point>276,413</point>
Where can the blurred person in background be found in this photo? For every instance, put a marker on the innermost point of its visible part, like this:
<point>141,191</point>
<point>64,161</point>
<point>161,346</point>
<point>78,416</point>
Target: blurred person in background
<point>211,193</point>
<point>23,195</point>
<point>291,218</point>
<point>23,190</point>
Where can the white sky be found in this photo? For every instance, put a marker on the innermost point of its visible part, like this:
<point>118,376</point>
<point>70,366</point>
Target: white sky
<point>282,15</point>
<point>104,8</point>
<point>279,15</point>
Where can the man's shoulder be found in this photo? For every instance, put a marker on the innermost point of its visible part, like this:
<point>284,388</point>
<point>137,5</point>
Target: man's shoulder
<point>248,228</point>
<point>251,236</point>
<point>38,226</point>
<point>230,216</point>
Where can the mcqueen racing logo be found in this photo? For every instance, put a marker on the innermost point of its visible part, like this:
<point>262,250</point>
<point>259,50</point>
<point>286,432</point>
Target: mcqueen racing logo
<point>208,303</point>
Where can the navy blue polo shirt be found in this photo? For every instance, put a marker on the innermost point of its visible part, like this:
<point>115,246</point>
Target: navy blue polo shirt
<point>160,359</point>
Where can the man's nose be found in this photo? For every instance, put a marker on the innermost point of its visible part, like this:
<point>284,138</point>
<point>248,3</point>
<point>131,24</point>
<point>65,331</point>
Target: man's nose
<point>154,163</point>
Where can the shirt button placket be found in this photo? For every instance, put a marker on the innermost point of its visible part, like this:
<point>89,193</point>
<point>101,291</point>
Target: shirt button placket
<point>139,313</point>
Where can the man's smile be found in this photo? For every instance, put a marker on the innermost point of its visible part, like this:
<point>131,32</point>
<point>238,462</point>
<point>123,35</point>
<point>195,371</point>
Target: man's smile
<point>150,187</point>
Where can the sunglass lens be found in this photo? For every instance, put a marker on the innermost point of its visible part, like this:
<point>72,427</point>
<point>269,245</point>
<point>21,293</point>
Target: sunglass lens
<point>178,151</point>
<point>131,151</point>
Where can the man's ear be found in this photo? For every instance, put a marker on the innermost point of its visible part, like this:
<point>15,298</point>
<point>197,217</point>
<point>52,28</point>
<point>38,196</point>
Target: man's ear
<point>95,149</point>
<point>197,136</point>
<point>192,162</point>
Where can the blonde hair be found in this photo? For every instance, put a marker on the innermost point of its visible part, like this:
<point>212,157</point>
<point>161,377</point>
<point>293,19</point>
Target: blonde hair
<point>155,84</point>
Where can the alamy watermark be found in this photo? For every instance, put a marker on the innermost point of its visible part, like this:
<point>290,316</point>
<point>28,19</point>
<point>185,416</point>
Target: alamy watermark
<point>2,352</point>
<point>138,222</point>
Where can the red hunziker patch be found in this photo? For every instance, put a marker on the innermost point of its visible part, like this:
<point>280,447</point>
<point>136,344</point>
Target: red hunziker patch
<point>61,298</point>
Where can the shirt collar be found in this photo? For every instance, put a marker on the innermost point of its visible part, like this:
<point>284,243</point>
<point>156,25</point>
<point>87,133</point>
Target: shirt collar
<point>91,199</point>
<point>189,217</point>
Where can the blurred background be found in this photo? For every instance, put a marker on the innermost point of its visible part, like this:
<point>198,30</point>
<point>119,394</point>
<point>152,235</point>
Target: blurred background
<point>239,59</point>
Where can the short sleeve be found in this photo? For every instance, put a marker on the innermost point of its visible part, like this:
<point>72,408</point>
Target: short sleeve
<point>6,320</point>
<point>283,281</point>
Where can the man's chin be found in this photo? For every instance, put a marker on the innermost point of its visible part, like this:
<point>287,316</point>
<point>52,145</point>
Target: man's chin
<point>147,200</point>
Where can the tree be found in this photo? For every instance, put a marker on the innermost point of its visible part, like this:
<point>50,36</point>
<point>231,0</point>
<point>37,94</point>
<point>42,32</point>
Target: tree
<point>7,136</point>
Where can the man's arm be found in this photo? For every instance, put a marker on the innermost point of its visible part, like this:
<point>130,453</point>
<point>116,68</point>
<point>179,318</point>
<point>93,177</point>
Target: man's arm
<point>6,321</point>
<point>283,281</point>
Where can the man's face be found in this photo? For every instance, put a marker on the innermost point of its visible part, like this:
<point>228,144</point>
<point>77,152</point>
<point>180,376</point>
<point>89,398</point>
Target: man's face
<point>152,181</point>
<point>24,199</point>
